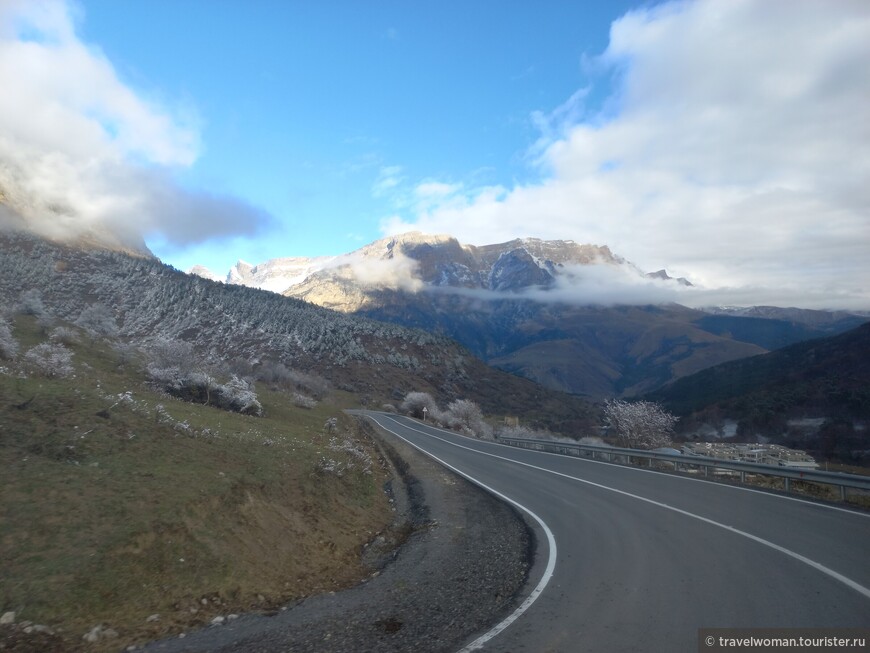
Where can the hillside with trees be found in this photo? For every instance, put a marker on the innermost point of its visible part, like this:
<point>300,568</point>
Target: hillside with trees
<point>259,333</point>
<point>826,380</point>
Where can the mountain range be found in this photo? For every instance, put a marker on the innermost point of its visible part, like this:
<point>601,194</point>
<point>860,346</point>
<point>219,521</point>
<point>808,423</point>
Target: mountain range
<point>545,310</point>
<point>238,327</point>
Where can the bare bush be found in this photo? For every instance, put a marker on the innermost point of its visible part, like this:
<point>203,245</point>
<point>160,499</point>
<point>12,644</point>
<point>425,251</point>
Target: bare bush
<point>98,321</point>
<point>314,384</point>
<point>303,401</point>
<point>64,335</point>
<point>389,408</point>
<point>8,344</point>
<point>51,360</point>
<point>166,353</point>
<point>640,424</point>
<point>30,303</point>
<point>520,431</point>
<point>126,353</point>
<point>279,374</point>
<point>465,415</point>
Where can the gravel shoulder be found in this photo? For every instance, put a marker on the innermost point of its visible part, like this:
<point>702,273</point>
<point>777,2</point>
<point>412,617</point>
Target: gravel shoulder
<point>456,561</point>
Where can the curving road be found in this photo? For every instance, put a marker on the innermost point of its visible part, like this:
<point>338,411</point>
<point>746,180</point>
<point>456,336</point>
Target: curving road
<point>634,560</point>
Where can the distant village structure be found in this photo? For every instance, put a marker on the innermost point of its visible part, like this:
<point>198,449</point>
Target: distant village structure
<point>765,454</point>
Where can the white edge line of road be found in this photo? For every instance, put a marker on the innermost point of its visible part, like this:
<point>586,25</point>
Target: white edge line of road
<point>797,556</point>
<point>551,544</point>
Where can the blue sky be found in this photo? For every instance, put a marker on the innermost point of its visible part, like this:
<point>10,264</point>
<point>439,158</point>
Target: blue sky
<point>724,140</point>
<point>304,107</point>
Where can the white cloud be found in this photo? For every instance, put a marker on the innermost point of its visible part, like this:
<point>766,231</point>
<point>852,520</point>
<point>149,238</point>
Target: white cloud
<point>395,272</point>
<point>732,150</point>
<point>80,151</point>
<point>389,177</point>
<point>430,189</point>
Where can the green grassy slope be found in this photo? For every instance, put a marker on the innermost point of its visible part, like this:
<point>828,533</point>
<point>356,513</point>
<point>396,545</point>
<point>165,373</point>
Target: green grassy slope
<point>119,503</point>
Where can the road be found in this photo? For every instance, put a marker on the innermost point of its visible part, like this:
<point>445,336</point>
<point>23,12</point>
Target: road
<point>636,560</point>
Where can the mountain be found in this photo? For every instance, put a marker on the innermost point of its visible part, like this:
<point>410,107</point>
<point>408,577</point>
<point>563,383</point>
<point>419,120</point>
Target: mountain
<point>439,261</point>
<point>229,324</point>
<point>545,310</point>
<point>815,394</point>
<point>275,275</point>
<point>662,274</point>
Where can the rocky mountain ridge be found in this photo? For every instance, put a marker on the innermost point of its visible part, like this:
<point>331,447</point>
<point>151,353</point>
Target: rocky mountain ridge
<point>438,261</point>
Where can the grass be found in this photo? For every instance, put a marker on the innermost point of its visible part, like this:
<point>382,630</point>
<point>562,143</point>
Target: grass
<point>119,503</point>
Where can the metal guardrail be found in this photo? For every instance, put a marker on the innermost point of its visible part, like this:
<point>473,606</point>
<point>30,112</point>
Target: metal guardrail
<point>615,454</point>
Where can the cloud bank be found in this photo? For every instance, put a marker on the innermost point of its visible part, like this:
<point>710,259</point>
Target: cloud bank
<point>82,153</point>
<point>732,150</point>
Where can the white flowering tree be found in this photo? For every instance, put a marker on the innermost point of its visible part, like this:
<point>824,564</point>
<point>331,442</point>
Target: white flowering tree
<point>640,424</point>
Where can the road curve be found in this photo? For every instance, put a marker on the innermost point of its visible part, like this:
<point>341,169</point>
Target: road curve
<point>642,560</point>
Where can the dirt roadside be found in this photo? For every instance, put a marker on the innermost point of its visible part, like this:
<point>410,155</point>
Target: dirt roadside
<point>461,566</point>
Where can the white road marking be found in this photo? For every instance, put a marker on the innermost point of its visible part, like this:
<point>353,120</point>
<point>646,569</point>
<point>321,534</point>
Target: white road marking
<point>797,556</point>
<point>551,544</point>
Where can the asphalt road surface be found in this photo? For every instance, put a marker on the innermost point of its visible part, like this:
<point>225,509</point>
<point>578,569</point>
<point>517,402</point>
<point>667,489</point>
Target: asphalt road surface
<point>635,560</point>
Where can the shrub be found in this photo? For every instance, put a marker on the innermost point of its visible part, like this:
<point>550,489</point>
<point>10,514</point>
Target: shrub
<point>302,401</point>
<point>415,402</point>
<point>465,415</point>
<point>8,343</point>
<point>51,360</point>
<point>64,335</point>
<point>236,395</point>
<point>98,321</point>
<point>640,424</point>
<point>166,353</point>
<point>30,303</point>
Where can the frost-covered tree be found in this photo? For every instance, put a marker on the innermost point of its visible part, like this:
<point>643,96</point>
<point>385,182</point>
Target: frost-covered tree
<point>467,416</point>
<point>640,424</point>
<point>415,402</point>
<point>51,360</point>
<point>98,321</point>
<point>8,343</point>
<point>238,395</point>
<point>30,303</point>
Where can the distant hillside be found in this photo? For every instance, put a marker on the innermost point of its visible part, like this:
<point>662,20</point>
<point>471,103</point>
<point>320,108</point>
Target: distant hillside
<point>773,328</point>
<point>591,350</point>
<point>823,382</point>
<point>375,360</point>
<point>828,375</point>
